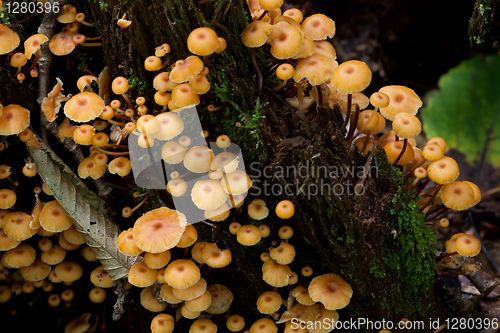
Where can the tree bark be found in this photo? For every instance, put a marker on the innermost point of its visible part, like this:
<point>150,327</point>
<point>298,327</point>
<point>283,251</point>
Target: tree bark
<point>376,240</point>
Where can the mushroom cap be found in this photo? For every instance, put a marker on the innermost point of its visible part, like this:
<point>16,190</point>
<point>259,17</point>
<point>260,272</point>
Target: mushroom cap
<point>185,70</point>
<point>401,99</point>
<point>248,235</point>
<point>257,210</point>
<point>256,34</point>
<point>285,209</point>
<point>198,160</point>
<point>6,243</point>
<point>285,39</point>
<point>301,295</point>
<point>226,162</point>
<point>393,149</point>
<point>101,278</point>
<point>177,187</point>
<point>17,226</point>
<point>203,326</point>
<point>285,71</point>
<point>325,48</point>
<point>199,84</point>
<point>275,274</point>
<point>306,50</point>
<point>9,40</point>
<point>467,245</point>
<point>283,254</point>
<point>120,165</point>
<point>263,325</point>
<point>352,76</point>
<point>163,83</point>
<point>157,260</point>
<point>458,195</point>
<point>84,81</point>
<point>54,218</point>
<point>222,298</point>
<point>18,60</point>
<point>171,125</point>
<point>316,69</point>
<point>7,198</point>
<point>432,152</point>
<point>370,122</point>
<point>67,15</point>
<point>217,258</point>
<point>475,189</point>
<point>78,325</point>
<point>189,237</point>
<point>21,256</point>
<point>200,303</point>
<point>62,44</point>
<point>126,243</point>
<point>208,194</point>
<point>51,104</point>
<point>183,95</point>
<point>152,63</point>
<point>68,271</point>
<point>119,85</point>
<point>14,119</point>
<point>295,14</point>
<point>236,183</point>
<point>406,125</point>
<point>443,171</point>
<point>379,99</point>
<point>195,291</point>
<point>150,302</point>
<point>269,302</point>
<point>159,229</point>
<point>439,141</point>
<point>33,43</point>
<point>167,295</point>
<point>318,27</point>
<point>37,271</point>
<point>162,323</point>
<point>173,152</point>
<point>270,4</point>
<point>182,274</point>
<point>235,323</point>
<point>84,106</point>
<point>202,41</point>
<point>331,290</point>
<point>54,255</point>
<point>140,275</point>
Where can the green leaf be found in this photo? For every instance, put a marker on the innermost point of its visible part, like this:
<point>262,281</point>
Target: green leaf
<point>465,110</point>
<point>85,207</point>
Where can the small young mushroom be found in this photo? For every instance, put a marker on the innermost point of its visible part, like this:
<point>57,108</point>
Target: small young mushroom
<point>202,41</point>
<point>269,302</point>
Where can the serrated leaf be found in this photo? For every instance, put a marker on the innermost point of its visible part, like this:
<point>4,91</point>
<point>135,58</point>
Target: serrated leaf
<point>85,207</point>
<point>465,110</point>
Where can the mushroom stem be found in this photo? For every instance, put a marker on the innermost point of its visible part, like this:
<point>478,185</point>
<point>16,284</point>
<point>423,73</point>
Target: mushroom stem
<point>253,56</point>
<point>348,114</point>
<point>437,212</point>
<point>129,102</point>
<point>314,94</point>
<point>281,85</point>
<point>352,124</point>
<point>405,144</point>
<point>140,204</point>
<point>300,94</point>
<point>88,24</point>
<point>35,61</point>
<point>435,191</point>
<point>262,15</point>
<point>93,38</point>
<point>113,153</point>
<point>114,122</point>
<point>91,44</point>
<point>365,143</point>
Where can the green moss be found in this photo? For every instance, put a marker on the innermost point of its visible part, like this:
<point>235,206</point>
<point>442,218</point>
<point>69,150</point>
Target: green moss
<point>137,84</point>
<point>103,5</point>
<point>411,257</point>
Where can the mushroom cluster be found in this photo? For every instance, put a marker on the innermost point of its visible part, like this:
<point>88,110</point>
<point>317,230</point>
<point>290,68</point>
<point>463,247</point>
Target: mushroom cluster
<point>39,250</point>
